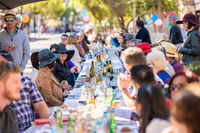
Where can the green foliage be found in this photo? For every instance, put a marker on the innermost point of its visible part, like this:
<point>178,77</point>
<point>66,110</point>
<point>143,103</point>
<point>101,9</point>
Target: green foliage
<point>111,12</point>
<point>146,7</point>
<point>52,9</point>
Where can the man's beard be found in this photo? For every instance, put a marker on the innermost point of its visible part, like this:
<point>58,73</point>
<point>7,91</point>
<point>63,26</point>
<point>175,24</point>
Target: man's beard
<point>9,95</point>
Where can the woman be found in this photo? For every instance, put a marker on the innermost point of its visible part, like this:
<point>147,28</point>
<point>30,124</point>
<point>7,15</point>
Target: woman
<point>143,33</point>
<point>122,41</point>
<point>35,65</point>
<point>185,112</point>
<point>152,110</point>
<point>171,56</point>
<point>62,69</point>
<point>191,48</point>
<point>99,39</point>
<point>71,44</point>
<point>140,74</point>
<point>179,80</point>
<point>83,41</point>
<point>158,61</point>
<point>46,82</point>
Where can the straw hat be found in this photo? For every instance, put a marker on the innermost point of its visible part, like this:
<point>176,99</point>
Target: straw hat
<point>170,49</point>
<point>9,13</point>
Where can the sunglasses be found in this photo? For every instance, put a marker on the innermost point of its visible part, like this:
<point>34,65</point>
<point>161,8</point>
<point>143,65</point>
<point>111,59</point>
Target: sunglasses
<point>9,19</point>
<point>63,39</point>
<point>178,86</point>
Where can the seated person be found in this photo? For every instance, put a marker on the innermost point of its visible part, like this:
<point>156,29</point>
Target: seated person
<point>131,57</point>
<point>10,86</point>
<point>48,85</point>
<point>64,38</point>
<point>158,61</point>
<point>53,47</point>
<point>72,67</point>
<point>171,56</point>
<point>140,74</point>
<point>30,101</point>
<point>61,69</point>
<point>35,65</point>
<point>152,109</point>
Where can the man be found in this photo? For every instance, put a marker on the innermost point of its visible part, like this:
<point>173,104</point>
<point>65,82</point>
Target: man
<point>15,41</point>
<point>10,86</point>
<point>175,32</point>
<point>30,102</point>
<point>131,57</point>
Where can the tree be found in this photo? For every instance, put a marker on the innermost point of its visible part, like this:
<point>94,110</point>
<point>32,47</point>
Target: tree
<point>51,9</point>
<point>121,9</point>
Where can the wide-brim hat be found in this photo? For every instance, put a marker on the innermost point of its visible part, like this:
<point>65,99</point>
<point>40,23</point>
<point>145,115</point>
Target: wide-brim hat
<point>9,13</point>
<point>62,49</point>
<point>171,50</point>
<point>46,57</point>
<point>189,18</point>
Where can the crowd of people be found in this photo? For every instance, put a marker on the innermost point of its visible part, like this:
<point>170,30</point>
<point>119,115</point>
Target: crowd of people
<point>161,84</point>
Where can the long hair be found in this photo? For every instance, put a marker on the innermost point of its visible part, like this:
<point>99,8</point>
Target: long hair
<point>153,105</point>
<point>72,40</point>
<point>142,74</point>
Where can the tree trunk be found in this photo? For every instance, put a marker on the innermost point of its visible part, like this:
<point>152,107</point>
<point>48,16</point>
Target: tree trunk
<point>122,23</point>
<point>160,12</point>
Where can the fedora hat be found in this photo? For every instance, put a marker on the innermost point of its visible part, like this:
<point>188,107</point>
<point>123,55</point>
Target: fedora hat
<point>62,49</point>
<point>170,49</point>
<point>9,13</point>
<point>189,18</point>
<point>46,57</point>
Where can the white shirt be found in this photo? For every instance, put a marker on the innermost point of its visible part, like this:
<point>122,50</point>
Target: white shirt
<point>169,69</point>
<point>76,59</point>
<point>157,126</point>
<point>33,74</point>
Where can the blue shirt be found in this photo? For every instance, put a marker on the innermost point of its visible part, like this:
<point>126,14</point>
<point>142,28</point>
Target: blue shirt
<point>164,76</point>
<point>29,95</point>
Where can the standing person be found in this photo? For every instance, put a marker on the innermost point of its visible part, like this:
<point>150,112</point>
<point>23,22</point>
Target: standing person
<point>10,86</point>
<point>143,33</point>
<point>14,40</point>
<point>191,47</point>
<point>175,35</point>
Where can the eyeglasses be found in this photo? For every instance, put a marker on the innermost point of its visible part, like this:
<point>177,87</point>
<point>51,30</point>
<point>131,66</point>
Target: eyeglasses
<point>178,86</point>
<point>9,19</point>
